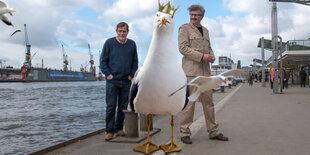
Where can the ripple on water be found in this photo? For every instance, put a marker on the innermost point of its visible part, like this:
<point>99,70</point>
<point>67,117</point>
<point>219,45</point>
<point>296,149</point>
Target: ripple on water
<point>11,126</point>
<point>37,115</point>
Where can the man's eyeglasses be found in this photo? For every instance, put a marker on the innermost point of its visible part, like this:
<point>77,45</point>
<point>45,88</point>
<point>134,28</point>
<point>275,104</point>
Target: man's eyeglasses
<point>191,14</point>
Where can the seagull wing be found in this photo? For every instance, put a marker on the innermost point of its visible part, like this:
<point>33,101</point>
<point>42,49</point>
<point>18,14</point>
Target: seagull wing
<point>6,20</point>
<point>188,83</point>
<point>2,5</point>
<point>235,73</point>
<point>15,32</point>
<point>197,81</point>
<point>133,91</point>
<point>203,83</point>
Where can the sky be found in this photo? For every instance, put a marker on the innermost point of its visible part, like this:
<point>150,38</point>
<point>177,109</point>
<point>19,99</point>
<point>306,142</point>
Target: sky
<point>235,27</point>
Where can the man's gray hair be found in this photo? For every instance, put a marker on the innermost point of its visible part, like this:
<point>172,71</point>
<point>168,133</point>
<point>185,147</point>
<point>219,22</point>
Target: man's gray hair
<point>197,7</point>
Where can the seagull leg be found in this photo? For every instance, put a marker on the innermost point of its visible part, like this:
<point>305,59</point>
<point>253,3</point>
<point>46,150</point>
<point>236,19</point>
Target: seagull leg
<point>148,147</point>
<point>171,147</point>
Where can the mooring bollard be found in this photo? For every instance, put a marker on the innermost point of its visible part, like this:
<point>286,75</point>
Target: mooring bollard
<point>222,88</point>
<point>131,124</point>
<point>143,124</point>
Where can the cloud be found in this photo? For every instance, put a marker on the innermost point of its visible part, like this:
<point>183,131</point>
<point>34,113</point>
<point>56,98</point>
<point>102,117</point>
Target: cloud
<point>238,34</point>
<point>49,23</point>
<point>79,22</point>
<point>124,9</point>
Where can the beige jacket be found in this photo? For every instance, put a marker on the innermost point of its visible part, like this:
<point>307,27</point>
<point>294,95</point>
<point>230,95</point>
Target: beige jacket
<point>193,45</point>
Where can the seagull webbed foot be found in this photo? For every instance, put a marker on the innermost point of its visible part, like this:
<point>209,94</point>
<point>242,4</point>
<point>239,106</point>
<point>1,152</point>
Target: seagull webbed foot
<point>171,147</point>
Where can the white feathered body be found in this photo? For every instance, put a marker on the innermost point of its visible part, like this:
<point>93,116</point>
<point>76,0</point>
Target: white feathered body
<point>161,73</point>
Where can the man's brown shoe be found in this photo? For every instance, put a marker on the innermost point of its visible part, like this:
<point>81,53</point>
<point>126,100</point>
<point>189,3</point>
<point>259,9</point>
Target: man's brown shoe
<point>120,133</point>
<point>220,137</point>
<point>186,140</point>
<point>108,136</point>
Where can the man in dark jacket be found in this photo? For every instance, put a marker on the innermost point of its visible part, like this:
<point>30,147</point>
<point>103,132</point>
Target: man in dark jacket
<point>303,76</point>
<point>119,62</point>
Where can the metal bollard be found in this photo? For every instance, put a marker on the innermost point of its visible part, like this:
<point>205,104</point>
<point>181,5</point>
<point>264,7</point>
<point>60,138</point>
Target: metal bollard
<point>131,124</point>
<point>143,124</point>
<point>222,88</point>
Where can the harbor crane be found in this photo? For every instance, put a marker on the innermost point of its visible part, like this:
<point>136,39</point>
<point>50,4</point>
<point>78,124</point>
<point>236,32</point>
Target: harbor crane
<point>27,63</point>
<point>91,61</point>
<point>65,58</point>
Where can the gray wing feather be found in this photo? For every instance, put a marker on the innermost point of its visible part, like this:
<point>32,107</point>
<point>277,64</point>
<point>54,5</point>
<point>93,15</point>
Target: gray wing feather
<point>235,73</point>
<point>2,5</point>
<point>197,81</point>
<point>6,20</point>
<point>15,32</point>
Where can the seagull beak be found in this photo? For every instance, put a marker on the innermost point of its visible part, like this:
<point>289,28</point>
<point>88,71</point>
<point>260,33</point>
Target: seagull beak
<point>11,12</point>
<point>163,21</point>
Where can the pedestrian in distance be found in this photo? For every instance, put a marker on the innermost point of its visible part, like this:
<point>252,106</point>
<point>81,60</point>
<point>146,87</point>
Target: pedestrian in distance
<point>303,76</point>
<point>119,62</point>
<point>272,74</point>
<point>194,45</point>
<point>285,79</point>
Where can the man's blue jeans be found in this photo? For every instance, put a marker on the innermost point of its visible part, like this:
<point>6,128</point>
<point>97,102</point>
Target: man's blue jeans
<point>303,82</point>
<point>117,92</point>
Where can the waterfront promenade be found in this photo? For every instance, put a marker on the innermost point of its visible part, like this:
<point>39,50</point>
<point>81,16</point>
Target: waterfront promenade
<point>256,121</point>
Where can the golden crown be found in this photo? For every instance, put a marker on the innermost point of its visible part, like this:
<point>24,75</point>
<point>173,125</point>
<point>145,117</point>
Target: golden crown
<point>166,8</point>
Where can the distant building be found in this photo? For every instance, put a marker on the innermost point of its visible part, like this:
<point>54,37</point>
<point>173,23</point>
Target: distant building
<point>239,65</point>
<point>224,63</point>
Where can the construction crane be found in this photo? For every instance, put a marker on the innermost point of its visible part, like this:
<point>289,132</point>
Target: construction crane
<point>100,75</point>
<point>27,62</point>
<point>65,58</point>
<point>91,61</point>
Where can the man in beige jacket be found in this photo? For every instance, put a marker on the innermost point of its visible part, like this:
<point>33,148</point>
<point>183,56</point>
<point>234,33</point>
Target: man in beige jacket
<point>194,44</point>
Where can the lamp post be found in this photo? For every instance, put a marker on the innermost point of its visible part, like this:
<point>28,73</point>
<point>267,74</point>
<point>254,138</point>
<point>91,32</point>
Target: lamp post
<point>263,62</point>
<point>274,34</point>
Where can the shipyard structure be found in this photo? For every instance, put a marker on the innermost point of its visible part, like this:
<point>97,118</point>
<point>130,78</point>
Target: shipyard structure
<point>28,73</point>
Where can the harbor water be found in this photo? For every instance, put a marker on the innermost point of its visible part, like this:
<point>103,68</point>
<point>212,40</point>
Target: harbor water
<point>34,116</point>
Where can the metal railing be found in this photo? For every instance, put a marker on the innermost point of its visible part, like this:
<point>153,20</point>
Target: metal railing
<point>294,45</point>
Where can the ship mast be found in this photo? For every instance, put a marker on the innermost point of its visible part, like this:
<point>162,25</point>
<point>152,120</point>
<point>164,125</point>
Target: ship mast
<point>27,62</point>
<point>65,58</point>
<point>91,61</point>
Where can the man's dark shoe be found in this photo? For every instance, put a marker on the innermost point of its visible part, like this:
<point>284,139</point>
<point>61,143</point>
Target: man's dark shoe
<point>186,140</point>
<point>220,137</point>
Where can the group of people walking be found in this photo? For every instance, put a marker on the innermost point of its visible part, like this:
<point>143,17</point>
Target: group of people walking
<point>286,75</point>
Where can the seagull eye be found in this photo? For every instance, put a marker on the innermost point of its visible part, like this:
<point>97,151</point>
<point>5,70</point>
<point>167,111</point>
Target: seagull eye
<point>157,15</point>
<point>172,17</point>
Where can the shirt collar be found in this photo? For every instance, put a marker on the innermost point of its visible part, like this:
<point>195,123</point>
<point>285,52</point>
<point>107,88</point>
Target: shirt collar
<point>121,41</point>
